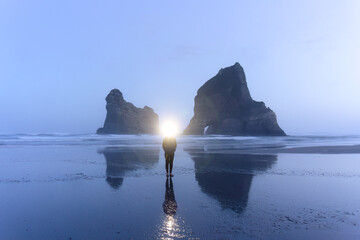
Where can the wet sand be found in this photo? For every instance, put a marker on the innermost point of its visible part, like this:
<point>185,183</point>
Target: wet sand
<point>119,191</point>
<point>323,150</point>
<point>353,149</point>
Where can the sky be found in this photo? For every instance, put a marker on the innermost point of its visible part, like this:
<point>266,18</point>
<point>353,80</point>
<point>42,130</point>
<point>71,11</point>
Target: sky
<point>59,60</point>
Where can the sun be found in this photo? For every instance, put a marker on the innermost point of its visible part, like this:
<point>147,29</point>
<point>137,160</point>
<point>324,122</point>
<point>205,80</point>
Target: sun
<point>169,129</point>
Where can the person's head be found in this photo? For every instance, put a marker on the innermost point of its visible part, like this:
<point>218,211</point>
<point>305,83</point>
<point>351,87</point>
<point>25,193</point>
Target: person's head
<point>170,138</point>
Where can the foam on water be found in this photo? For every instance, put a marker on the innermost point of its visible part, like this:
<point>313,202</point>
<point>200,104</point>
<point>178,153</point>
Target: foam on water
<point>240,142</point>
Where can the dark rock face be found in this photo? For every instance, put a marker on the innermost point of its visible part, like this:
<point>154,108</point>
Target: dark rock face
<point>223,105</point>
<point>124,118</point>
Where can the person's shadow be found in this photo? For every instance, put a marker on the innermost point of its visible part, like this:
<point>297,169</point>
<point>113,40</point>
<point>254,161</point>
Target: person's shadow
<point>169,205</point>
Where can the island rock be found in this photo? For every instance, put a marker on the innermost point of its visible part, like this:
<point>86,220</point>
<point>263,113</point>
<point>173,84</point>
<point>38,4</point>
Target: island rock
<point>124,118</point>
<point>223,105</point>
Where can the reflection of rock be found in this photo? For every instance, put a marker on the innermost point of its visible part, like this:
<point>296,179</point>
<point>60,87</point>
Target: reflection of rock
<point>122,160</point>
<point>228,177</point>
<point>114,182</point>
<point>124,118</point>
<point>223,105</point>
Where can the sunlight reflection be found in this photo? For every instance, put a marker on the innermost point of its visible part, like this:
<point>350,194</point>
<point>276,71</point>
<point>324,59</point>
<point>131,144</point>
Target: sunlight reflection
<point>171,229</point>
<point>170,223</point>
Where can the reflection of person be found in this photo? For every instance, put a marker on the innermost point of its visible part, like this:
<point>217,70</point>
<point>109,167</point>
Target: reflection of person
<point>169,205</point>
<point>169,146</point>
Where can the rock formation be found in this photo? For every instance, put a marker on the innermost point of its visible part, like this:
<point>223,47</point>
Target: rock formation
<point>124,118</point>
<point>223,105</point>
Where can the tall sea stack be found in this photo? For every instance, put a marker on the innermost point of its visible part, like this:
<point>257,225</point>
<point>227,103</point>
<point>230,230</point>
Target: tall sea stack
<point>124,118</point>
<point>223,105</point>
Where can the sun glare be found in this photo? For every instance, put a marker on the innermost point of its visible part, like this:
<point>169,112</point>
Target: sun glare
<point>169,128</point>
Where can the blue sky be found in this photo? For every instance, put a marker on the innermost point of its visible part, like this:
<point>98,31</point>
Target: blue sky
<point>59,59</point>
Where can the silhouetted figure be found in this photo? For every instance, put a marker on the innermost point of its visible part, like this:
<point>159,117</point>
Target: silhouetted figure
<point>169,205</point>
<point>169,146</point>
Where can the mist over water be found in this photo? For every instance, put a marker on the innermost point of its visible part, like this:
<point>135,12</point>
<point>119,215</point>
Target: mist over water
<point>238,142</point>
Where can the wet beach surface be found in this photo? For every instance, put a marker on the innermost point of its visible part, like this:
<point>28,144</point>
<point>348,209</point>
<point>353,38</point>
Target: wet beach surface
<point>93,187</point>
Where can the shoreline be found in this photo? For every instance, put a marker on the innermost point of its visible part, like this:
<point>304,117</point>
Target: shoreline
<point>338,149</point>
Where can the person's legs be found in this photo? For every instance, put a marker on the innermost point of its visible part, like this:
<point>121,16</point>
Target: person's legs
<point>171,160</point>
<point>167,163</point>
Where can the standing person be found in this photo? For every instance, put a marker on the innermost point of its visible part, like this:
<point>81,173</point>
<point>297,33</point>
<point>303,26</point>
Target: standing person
<point>169,146</point>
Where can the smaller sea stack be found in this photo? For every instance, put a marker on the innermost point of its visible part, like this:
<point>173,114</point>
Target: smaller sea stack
<point>124,118</point>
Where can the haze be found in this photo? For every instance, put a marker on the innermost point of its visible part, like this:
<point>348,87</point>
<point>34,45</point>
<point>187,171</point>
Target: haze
<point>59,60</point>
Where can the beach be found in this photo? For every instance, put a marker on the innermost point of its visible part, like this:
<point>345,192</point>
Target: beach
<point>63,186</point>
